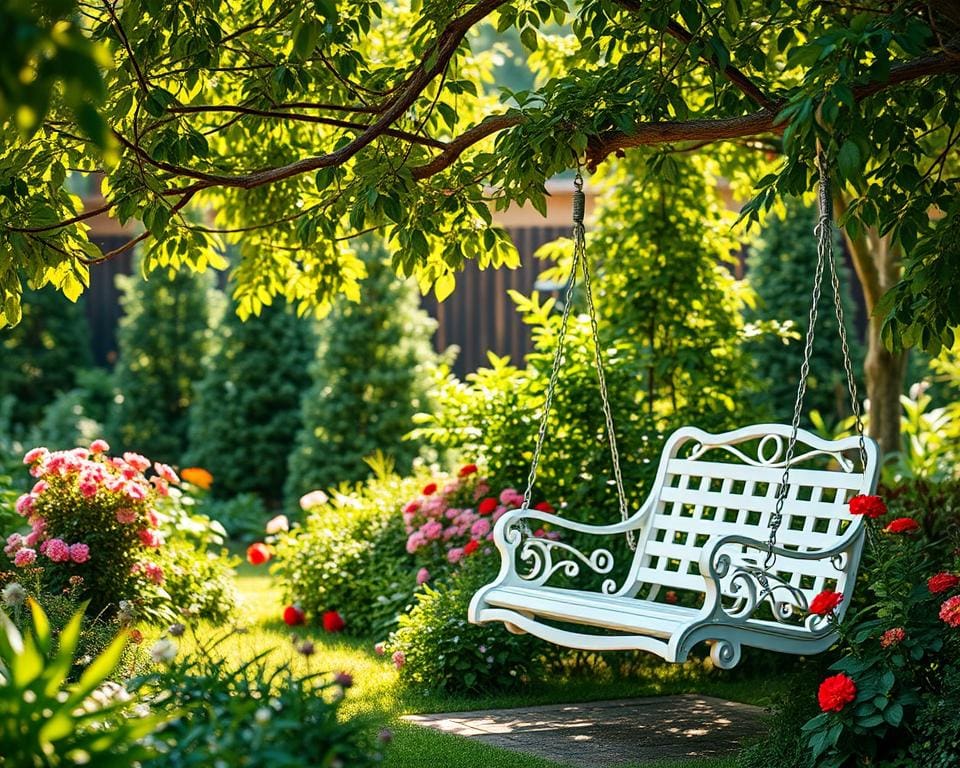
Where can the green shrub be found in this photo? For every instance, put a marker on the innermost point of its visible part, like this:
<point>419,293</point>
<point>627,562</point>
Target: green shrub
<point>44,721</point>
<point>783,744</point>
<point>349,556</point>
<point>243,517</point>
<point>247,408</point>
<point>937,731</point>
<point>251,713</point>
<point>199,582</point>
<point>78,416</point>
<point>42,354</point>
<point>372,373</point>
<point>436,647</point>
<point>163,340</point>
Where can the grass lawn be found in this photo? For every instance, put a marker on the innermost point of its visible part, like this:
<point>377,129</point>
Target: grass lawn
<point>378,697</point>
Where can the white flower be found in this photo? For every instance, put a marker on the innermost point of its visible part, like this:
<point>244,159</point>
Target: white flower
<point>13,595</point>
<point>277,524</point>
<point>163,651</point>
<point>262,715</point>
<point>313,499</point>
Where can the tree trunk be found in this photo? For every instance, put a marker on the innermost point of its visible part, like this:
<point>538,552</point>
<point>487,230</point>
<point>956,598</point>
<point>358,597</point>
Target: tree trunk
<point>877,263</point>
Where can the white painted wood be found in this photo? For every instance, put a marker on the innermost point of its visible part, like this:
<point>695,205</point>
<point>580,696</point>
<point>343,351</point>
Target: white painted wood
<point>702,531</point>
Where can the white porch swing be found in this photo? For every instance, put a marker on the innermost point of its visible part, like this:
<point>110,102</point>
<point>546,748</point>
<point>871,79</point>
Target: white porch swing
<point>701,529</point>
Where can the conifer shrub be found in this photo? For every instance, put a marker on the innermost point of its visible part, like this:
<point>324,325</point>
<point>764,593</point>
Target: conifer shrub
<point>163,339</point>
<point>246,411</point>
<point>373,371</point>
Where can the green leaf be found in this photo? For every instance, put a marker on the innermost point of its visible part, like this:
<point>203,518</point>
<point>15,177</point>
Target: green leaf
<point>529,39</point>
<point>41,626</point>
<point>894,714</point>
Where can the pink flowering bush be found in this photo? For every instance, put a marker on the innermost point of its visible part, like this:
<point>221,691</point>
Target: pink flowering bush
<point>94,516</point>
<point>452,518</point>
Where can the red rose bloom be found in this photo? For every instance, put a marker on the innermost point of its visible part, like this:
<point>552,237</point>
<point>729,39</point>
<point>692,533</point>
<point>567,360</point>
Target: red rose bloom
<point>468,469</point>
<point>545,506</point>
<point>293,616</point>
<point>412,508</point>
<point>487,506</point>
<point>902,525</point>
<point>258,554</point>
<point>429,490</point>
<point>836,692</point>
<point>333,622</point>
<point>825,602</point>
<point>472,546</point>
<point>941,582</point>
<point>868,506</point>
<point>950,611</point>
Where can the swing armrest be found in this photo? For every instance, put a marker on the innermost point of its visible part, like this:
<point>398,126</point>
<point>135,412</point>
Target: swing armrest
<point>716,566</point>
<point>504,541</point>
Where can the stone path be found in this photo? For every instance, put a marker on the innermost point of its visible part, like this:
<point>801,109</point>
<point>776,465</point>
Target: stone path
<point>610,733</point>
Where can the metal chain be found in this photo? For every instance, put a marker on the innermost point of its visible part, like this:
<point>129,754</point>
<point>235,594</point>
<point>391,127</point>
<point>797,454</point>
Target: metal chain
<point>580,242</point>
<point>825,200</point>
<point>824,235</point>
<point>580,261</point>
<point>552,384</point>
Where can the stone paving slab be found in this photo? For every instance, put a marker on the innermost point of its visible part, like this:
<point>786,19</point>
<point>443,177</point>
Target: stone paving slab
<point>610,733</point>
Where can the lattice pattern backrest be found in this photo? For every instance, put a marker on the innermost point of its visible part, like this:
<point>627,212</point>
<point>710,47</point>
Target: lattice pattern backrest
<point>716,490</point>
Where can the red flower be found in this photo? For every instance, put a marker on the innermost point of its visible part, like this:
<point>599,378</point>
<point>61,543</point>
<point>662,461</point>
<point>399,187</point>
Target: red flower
<point>471,546</point>
<point>429,490</point>
<point>545,506</point>
<point>670,596</point>
<point>950,611</point>
<point>333,622</point>
<point>468,469</point>
<point>258,554</point>
<point>293,615</point>
<point>868,506</point>
<point>902,525</point>
<point>941,582</point>
<point>836,692</point>
<point>412,508</point>
<point>487,506</point>
<point>825,602</point>
<point>136,636</point>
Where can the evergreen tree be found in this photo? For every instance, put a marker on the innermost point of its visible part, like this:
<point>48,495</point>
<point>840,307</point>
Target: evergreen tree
<point>780,267</point>
<point>246,411</point>
<point>163,339</point>
<point>40,357</point>
<point>371,376</point>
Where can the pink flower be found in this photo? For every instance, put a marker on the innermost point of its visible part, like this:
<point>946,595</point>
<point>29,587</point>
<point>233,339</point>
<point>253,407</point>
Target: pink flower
<point>25,504</point>
<point>88,489</point>
<point>399,659</point>
<point>449,532</point>
<point>415,541</point>
<point>138,462</point>
<point>501,511</point>
<point>125,515</point>
<point>39,487</point>
<point>135,491</point>
<point>423,576</point>
<point>34,455</point>
<point>24,556</point>
<point>160,485</point>
<point>99,446</point>
<point>166,472</point>
<point>149,538</point>
<point>507,495</point>
<point>79,553</point>
<point>480,528</point>
<point>482,489</point>
<point>432,530</point>
<point>949,611</point>
<point>277,524</point>
<point>57,550</point>
<point>454,555</point>
<point>14,543</point>
<point>153,572</point>
<point>380,649</point>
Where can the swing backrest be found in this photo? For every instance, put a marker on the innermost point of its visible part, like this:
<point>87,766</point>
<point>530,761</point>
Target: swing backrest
<point>710,486</point>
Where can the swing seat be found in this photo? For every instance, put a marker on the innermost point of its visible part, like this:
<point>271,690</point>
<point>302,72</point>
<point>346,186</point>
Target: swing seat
<point>698,571</point>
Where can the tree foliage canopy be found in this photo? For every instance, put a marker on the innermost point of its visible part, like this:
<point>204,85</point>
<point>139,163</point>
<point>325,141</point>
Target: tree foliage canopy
<point>302,125</point>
